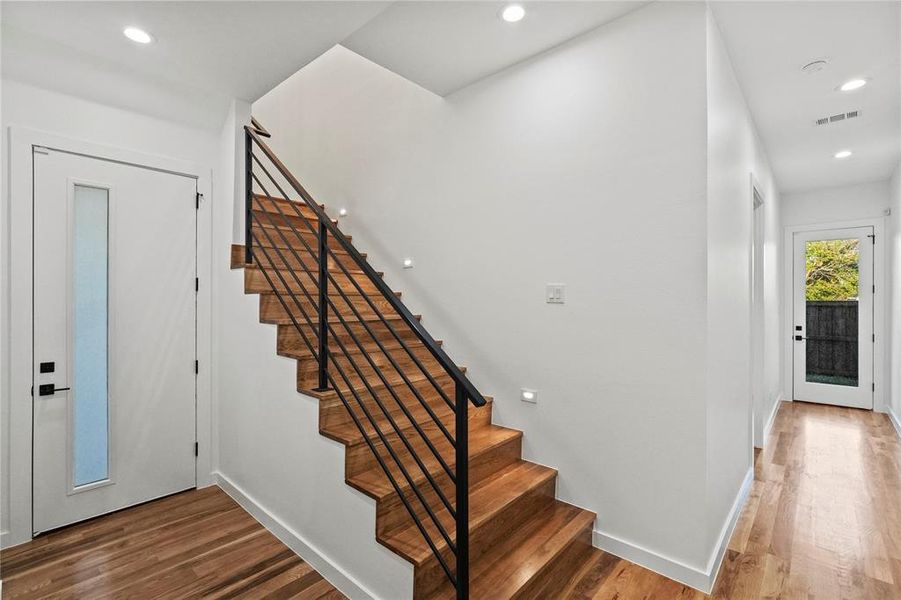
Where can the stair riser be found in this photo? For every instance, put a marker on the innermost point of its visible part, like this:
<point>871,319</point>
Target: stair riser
<point>332,412</point>
<point>262,203</point>
<point>277,233</point>
<point>336,423</point>
<point>304,260</point>
<point>290,341</point>
<point>347,376</point>
<point>559,571</point>
<point>272,310</point>
<point>430,577</point>
<point>359,458</point>
<point>308,369</point>
<point>255,282</point>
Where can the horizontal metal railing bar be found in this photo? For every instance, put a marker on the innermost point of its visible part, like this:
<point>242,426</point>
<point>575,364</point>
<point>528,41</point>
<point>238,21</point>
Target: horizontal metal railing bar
<point>371,362</point>
<point>378,371</point>
<point>344,269</point>
<point>386,412</point>
<point>366,438</point>
<point>371,304</point>
<point>359,288</point>
<point>472,393</point>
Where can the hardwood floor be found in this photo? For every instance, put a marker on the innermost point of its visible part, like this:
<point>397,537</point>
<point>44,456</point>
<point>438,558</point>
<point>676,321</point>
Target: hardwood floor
<point>197,544</point>
<point>822,521</point>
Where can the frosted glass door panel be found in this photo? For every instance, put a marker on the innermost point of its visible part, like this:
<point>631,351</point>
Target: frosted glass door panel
<point>90,387</point>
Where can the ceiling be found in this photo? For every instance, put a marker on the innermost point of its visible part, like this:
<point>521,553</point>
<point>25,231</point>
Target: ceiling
<point>769,42</point>
<point>446,46</point>
<point>205,52</point>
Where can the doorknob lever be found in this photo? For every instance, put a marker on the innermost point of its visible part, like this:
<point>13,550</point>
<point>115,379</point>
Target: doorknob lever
<point>48,389</point>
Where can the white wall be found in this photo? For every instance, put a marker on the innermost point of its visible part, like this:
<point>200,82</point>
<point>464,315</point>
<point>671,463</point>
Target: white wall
<point>574,167</point>
<point>735,154</point>
<point>828,205</point>
<point>79,119</point>
<point>894,300</point>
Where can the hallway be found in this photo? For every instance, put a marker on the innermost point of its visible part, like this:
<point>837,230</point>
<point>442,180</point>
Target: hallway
<point>823,518</point>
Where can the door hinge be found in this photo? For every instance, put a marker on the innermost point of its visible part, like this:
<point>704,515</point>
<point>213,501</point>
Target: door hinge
<point>873,387</point>
<point>872,237</point>
<point>196,451</point>
<point>197,284</point>
<point>874,337</point>
<point>196,367</point>
<point>197,198</point>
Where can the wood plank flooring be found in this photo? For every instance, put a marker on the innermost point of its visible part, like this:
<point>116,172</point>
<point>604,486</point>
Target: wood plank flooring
<point>823,518</point>
<point>197,544</point>
<point>822,521</point>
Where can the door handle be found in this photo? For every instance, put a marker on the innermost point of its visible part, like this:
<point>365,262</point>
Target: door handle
<point>48,389</point>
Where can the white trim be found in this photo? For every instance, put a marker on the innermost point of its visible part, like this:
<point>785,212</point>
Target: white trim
<point>21,140</point>
<point>895,420</point>
<point>765,432</point>
<point>879,323</point>
<point>345,583</point>
<point>699,579</point>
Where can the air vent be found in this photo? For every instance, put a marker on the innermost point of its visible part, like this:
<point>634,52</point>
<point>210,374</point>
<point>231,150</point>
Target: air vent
<point>851,114</point>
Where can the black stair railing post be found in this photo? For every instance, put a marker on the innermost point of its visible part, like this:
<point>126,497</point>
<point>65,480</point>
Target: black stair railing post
<point>323,307</point>
<point>248,197</point>
<point>462,462</point>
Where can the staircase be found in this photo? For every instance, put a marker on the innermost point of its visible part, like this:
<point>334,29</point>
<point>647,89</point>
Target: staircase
<point>453,495</point>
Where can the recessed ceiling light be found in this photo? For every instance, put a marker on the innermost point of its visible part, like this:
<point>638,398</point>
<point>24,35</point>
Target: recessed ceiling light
<point>513,13</point>
<point>854,84</point>
<point>137,35</point>
<point>842,154</point>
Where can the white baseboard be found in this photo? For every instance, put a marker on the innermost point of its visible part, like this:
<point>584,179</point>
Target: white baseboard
<point>896,421</point>
<point>765,433</point>
<point>346,584</point>
<point>699,579</point>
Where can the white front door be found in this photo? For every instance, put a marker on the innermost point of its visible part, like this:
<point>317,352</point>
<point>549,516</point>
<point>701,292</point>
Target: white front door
<point>114,336</point>
<point>833,316</point>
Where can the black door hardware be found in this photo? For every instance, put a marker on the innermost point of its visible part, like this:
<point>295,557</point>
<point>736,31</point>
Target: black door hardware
<point>48,389</point>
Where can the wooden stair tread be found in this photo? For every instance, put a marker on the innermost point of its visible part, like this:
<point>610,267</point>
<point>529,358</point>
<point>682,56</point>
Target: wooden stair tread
<point>522,557</point>
<point>392,346</point>
<point>289,228</point>
<point>348,433</point>
<point>487,498</point>
<point>332,318</point>
<point>392,378</point>
<point>444,380</point>
<point>374,483</point>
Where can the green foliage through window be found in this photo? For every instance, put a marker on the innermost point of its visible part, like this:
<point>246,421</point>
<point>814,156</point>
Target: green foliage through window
<point>832,271</point>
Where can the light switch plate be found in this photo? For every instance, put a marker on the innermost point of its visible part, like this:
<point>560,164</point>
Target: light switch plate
<point>555,293</point>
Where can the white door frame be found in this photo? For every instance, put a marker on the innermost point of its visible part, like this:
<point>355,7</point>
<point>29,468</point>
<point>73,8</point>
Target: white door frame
<point>757,315</point>
<point>20,350</point>
<point>879,366</point>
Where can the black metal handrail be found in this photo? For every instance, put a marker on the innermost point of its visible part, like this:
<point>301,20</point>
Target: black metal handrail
<point>325,322</point>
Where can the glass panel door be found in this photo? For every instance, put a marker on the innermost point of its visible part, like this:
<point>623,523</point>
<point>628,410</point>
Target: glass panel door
<point>833,317</point>
<point>832,280</point>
